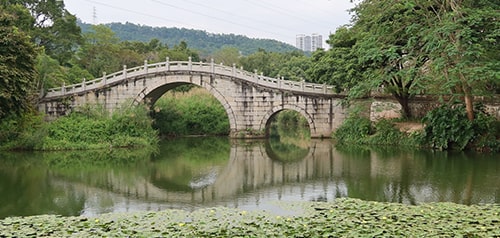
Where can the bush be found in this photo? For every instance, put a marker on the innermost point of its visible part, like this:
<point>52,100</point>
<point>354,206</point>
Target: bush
<point>94,129</point>
<point>354,130</point>
<point>196,112</point>
<point>447,127</point>
<point>387,134</point>
<point>90,128</point>
<point>24,132</point>
<point>358,130</point>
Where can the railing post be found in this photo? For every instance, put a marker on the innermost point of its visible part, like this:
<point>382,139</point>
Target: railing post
<point>279,82</point>
<point>302,84</point>
<point>167,63</point>
<point>104,78</point>
<point>212,65</point>
<point>324,88</point>
<point>124,71</point>
<point>256,75</point>
<point>146,66</point>
<point>63,90</point>
<point>234,69</point>
<point>84,84</point>
<point>190,63</point>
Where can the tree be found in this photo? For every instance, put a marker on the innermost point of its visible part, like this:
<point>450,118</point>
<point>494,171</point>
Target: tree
<point>17,66</point>
<point>182,52</point>
<point>51,74</point>
<point>461,39</point>
<point>100,52</point>
<point>259,61</point>
<point>389,50</point>
<point>52,27</point>
<point>411,47</point>
<point>227,56</point>
<point>291,66</point>
<point>339,65</point>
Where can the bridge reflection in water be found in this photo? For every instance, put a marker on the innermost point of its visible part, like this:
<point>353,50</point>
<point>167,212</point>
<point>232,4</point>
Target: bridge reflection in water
<point>254,176</point>
<point>206,172</point>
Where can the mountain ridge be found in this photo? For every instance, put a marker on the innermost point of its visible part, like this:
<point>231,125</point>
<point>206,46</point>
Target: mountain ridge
<point>205,42</point>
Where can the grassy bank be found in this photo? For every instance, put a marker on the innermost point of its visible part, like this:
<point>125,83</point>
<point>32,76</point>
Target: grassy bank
<point>445,128</point>
<point>89,128</point>
<point>343,218</point>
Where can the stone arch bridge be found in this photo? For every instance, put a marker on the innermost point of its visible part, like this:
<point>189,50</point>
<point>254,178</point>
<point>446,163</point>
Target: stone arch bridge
<point>250,99</point>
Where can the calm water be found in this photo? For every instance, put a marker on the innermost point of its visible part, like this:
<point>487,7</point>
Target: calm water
<point>192,173</point>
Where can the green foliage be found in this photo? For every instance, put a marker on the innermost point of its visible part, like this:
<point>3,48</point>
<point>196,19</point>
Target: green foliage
<point>51,27</point>
<point>100,53</point>
<point>339,66</point>
<point>204,42</point>
<point>126,127</point>
<point>21,132</point>
<point>387,134</point>
<point>91,128</point>
<point>414,47</point>
<point>354,130</point>
<point>447,127</point>
<point>359,130</point>
<point>50,73</point>
<point>17,66</point>
<point>291,66</point>
<point>193,113</point>
<point>227,56</point>
<point>103,52</point>
<point>291,118</point>
<point>345,217</point>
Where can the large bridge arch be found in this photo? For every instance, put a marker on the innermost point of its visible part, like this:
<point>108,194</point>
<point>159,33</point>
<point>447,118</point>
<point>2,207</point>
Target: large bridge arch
<point>266,120</point>
<point>152,93</point>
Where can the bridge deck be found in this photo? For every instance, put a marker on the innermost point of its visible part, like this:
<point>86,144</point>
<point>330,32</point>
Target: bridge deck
<point>188,67</point>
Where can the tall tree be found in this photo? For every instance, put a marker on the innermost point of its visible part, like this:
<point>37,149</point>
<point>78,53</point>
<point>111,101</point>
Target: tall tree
<point>409,47</point>
<point>17,66</point>
<point>100,52</point>
<point>53,27</point>
<point>227,56</point>
<point>339,65</point>
<point>388,49</point>
<point>462,40</point>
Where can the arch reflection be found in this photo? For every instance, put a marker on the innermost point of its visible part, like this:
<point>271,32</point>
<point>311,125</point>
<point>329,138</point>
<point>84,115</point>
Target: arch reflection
<point>203,172</point>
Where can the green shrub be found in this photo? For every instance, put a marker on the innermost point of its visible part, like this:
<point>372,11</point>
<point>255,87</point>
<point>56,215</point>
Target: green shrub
<point>354,130</point>
<point>447,127</point>
<point>21,132</point>
<point>89,128</point>
<point>196,112</point>
<point>358,130</point>
<point>386,134</point>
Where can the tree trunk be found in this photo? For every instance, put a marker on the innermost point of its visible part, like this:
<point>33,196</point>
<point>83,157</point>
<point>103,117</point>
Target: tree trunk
<point>404,102</point>
<point>469,104</point>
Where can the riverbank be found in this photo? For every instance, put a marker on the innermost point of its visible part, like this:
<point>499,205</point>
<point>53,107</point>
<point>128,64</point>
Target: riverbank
<point>343,218</point>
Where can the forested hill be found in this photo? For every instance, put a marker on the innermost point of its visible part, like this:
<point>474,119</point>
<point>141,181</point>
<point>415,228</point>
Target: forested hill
<point>205,42</point>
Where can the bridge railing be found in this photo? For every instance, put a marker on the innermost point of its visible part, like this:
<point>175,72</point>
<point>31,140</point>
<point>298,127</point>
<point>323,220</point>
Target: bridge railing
<point>209,68</point>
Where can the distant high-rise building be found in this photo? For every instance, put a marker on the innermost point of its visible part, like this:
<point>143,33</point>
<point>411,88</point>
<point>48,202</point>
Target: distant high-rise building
<point>316,42</point>
<point>309,43</point>
<point>300,42</point>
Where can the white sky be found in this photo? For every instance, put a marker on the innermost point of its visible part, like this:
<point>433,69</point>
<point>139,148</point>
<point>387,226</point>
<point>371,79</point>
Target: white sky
<point>271,19</point>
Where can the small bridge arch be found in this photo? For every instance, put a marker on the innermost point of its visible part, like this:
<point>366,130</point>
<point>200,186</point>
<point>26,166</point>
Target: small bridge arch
<point>266,120</point>
<point>249,99</point>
